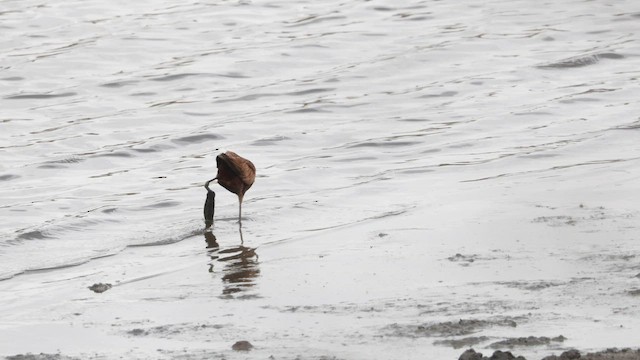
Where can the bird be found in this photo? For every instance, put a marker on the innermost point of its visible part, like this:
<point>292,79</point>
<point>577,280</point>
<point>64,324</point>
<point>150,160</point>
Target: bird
<point>235,174</point>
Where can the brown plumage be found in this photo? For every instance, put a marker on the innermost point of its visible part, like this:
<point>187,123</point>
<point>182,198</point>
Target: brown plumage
<point>235,174</point>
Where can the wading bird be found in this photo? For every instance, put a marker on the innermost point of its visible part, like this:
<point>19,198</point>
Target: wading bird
<point>235,174</point>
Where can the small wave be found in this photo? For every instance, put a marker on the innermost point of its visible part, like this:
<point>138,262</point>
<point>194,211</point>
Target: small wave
<point>121,154</point>
<point>310,91</point>
<point>39,96</point>
<point>443,94</point>
<point>313,19</point>
<point>145,150</point>
<point>162,204</point>
<point>195,139</point>
<point>32,235</point>
<point>168,240</point>
<point>631,126</point>
<point>270,141</point>
<point>7,177</point>
<point>60,164</point>
<point>119,84</point>
<point>580,61</point>
<point>177,76</point>
<point>249,97</point>
<point>383,144</point>
<point>306,110</point>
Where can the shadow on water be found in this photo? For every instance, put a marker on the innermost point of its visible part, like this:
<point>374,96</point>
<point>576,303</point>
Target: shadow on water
<point>238,264</point>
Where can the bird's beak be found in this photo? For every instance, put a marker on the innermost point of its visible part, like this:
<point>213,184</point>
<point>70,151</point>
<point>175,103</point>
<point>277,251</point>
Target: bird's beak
<point>206,185</point>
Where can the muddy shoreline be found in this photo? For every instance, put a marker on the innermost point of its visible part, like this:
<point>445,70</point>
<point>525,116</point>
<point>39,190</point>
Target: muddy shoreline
<point>204,296</point>
<point>469,354</point>
<point>608,354</point>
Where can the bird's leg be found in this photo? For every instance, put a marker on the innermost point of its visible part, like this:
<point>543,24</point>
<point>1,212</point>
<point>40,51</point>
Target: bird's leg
<point>240,210</point>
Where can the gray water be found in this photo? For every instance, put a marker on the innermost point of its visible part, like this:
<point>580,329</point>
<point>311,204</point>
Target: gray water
<point>112,114</point>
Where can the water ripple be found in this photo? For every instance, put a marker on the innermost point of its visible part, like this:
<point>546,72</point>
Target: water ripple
<point>580,61</point>
<point>39,96</point>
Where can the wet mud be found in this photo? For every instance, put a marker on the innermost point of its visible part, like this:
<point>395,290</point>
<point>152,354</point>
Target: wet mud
<point>172,330</point>
<point>461,327</point>
<point>526,341</point>
<point>462,342</point>
<point>609,354</point>
<point>40,356</point>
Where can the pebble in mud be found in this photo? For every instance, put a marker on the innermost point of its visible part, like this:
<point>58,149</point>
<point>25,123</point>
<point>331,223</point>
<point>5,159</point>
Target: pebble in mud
<point>242,345</point>
<point>100,287</point>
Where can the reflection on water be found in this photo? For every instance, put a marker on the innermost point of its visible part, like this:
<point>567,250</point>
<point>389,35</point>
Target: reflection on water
<point>239,265</point>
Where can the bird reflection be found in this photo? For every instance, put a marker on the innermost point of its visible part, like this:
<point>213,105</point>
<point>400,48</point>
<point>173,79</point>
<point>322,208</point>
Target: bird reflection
<point>239,265</point>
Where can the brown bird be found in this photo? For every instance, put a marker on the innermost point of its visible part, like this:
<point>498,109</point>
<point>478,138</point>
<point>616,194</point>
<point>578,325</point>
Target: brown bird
<point>235,174</point>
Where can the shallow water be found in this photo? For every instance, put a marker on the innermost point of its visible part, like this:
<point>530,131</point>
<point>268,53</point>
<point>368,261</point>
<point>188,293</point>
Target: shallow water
<point>389,139</point>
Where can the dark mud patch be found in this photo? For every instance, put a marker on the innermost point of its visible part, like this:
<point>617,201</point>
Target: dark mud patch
<point>560,220</point>
<point>40,356</point>
<point>532,285</point>
<point>445,329</point>
<point>527,341</point>
<point>567,355</point>
<point>609,354</point>
<point>171,330</point>
<point>137,332</point>
<point>191,354</point>
<point>463,260</point>
<point>460,343</point>
<point>466,307</point>
<point>584,215</point>
<point>100,287</point>
<point>335,309</point>
<point>635,292</point>
<point>466,260</point>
